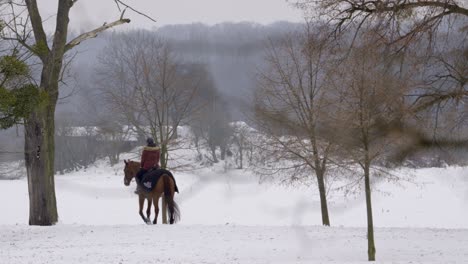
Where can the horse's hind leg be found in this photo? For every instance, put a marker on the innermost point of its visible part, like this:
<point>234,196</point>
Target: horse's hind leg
<point>141,201</point>
<point>156,207</point>
<point>148,210</point>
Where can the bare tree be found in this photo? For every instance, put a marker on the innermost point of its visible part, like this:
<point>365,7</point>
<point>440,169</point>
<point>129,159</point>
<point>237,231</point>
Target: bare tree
<point>144,82</point>
<point>292,104</point>
<point>434,28</point>
<point>210,133</point>
<point>217,129</point>
<point>28,31</point>
<point>116,138</point>
<point>241,138</point>
<point>401,21</point>
<point>369,93</point>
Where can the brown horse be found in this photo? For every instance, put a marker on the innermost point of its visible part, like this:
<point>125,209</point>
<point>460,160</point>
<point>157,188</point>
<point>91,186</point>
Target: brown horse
<point>164,185</point>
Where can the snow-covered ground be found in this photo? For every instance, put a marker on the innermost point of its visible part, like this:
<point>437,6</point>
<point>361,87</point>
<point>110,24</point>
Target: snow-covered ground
<point>228,217</point>
<point>226,244</point>
<point>429,198</point>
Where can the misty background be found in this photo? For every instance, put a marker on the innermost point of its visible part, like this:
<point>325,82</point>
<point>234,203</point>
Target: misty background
<point>231,53</point>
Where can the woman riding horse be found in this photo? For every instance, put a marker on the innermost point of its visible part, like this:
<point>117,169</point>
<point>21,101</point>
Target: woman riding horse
<point>164,186</point>
<point>149,160</point>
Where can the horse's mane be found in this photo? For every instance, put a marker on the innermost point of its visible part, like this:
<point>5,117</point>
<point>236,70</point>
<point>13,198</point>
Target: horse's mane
<point>134,165</point>
<point>133,162</point>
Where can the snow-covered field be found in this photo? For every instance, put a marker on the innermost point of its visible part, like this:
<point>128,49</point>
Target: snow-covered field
<point>230,218</point>
<point>226,244</point>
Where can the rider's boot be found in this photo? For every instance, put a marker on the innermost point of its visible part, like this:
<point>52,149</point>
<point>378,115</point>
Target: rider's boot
<point>139,189</point>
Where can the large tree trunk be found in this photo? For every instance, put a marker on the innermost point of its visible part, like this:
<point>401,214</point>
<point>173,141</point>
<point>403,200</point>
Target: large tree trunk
<point>40,146</point>
<point>323,199</point>
<point>370,222</point>
<point>39,158</point>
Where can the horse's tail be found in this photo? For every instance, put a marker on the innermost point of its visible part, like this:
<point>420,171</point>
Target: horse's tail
<point>172,207</point>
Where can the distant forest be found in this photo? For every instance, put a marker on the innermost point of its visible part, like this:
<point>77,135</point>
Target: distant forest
<point>232,52</point>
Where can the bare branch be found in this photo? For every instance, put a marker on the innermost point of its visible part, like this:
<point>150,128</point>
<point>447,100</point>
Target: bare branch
<point>92,34</point>
<point>119,2</point>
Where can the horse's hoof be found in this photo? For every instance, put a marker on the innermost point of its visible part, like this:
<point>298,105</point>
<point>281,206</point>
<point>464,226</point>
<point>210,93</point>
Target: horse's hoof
<point>148,222</point>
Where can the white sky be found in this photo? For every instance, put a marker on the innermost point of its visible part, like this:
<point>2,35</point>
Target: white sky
<point>87,14</point>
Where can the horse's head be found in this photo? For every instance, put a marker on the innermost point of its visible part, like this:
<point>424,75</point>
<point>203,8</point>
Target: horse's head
<point>130,170</point>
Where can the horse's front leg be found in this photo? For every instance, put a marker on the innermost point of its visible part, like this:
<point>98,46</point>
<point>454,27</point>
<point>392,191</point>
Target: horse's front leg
<point>141,202</point>
<point>156,207</point>
<point>148,210</point>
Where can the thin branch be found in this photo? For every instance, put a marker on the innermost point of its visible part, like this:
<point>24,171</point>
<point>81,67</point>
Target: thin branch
<point>119,2</point>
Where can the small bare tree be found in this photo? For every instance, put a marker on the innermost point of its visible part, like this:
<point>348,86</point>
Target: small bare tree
<point>210,121</point>
<point>144,83</point>
<point>241,139</point>
<point>116,138</point>
<point>292,104</point>
<point>369,92</point>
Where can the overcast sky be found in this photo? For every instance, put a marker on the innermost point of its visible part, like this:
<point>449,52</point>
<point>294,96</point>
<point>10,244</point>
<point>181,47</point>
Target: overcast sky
<point>87,14</point>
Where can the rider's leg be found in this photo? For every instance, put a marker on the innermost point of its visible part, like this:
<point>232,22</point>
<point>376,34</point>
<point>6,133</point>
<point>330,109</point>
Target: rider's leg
<point>138,179</point>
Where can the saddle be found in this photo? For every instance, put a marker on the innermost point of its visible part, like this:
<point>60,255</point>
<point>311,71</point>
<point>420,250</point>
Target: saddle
<point>149,179</point>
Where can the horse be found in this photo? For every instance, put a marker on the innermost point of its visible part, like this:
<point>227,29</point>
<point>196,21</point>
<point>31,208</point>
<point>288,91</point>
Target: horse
<point>164,185</point>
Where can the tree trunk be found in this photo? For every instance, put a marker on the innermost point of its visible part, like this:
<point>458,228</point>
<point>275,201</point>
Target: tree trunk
<point>241,157</point>
<point>39,158</point>
<point>175,133</point>
<point>40,146</point>
<point>213,153</point>
<point>370,223</point>
<point>323,199</point>
<point>163,156</point>
<point>223,151</point>
<point>40,125</point>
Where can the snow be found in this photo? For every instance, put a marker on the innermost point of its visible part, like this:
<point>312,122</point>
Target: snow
<point>225,244</point>
<point>228,217</point>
